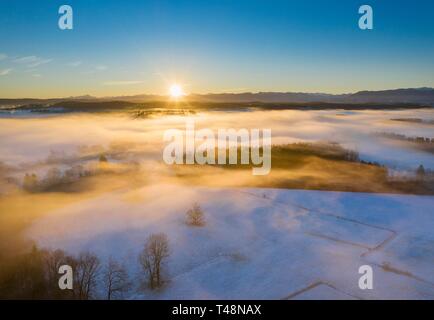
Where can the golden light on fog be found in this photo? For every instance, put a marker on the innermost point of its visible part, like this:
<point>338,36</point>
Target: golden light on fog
<point>176,91</point>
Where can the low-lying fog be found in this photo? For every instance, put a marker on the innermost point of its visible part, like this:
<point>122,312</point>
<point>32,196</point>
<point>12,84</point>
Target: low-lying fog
<point>112,214</point>
<point>27,140</point>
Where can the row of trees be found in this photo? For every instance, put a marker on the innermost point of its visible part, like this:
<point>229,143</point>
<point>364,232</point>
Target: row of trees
<point>55,177</point>
<point>35,275</point>
<point>422,140</point>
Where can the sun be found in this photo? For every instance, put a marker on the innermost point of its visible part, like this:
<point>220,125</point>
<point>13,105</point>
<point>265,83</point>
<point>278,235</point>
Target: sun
<point>176,91</point>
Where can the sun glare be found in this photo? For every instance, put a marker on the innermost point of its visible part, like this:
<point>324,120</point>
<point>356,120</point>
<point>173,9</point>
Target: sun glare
<point>176,91</point>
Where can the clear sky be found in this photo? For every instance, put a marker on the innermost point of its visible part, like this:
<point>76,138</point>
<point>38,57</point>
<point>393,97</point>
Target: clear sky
<point>138,46</point>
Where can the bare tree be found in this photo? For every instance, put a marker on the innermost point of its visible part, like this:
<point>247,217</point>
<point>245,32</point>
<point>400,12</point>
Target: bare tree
<point>152,257</point>
<point>86,275</point>
<point>53,261</point>
<point>115,279</point>
<point>195,216</point>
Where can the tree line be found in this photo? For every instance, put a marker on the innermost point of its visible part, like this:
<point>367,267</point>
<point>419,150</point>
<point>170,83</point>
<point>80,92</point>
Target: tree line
<point>35,274</point>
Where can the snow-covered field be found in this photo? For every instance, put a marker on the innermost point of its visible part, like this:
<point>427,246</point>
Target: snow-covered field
<point>259,243</point>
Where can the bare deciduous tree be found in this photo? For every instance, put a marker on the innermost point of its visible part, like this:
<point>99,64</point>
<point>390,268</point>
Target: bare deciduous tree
<point>86,275</point>
<point>53,261</point>
<point>195,216</point>
<point>115,280</point>
<point>152,257</point>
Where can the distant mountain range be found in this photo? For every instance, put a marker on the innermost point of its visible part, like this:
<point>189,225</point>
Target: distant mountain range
<point>420,96</point>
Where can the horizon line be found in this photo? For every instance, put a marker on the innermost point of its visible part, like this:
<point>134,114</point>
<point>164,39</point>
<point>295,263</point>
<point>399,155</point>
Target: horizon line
<point>216,93</point>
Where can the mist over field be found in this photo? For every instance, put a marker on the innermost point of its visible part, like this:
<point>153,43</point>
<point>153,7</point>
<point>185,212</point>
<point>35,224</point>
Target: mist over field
<point>30,139</point>
<point>96,182</point>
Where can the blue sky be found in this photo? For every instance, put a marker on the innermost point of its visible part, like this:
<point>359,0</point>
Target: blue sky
<point>139,46</point>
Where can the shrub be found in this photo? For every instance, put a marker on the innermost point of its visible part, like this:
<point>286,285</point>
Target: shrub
<point>195,216</point>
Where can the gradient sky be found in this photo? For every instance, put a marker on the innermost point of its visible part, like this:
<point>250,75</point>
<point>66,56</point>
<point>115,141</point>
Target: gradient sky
<point>139,46</point>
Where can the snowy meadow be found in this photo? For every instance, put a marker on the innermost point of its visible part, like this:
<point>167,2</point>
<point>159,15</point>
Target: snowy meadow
<point>96,184</point>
